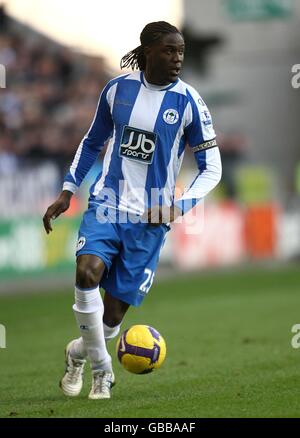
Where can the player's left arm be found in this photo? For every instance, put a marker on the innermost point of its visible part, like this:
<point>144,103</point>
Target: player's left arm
<point>209,175</point>
<point>201,137</point>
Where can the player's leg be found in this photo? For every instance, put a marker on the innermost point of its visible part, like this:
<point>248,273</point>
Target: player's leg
<point>97,246</point>
<point>85,264</point>
<point>88,309</point>
<point>114,312</point>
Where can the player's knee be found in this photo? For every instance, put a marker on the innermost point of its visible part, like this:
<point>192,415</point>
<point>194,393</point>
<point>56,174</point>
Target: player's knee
<point>86,277</point>
<point>112,319</point>
<point>88,273</point>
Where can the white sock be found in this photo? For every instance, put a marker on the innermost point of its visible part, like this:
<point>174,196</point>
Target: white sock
<point>78,351</point>
<point>111,332</point>
<point>88,309</point>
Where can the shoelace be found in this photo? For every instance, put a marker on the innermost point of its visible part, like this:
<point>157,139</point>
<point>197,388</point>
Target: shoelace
<point>102,382</point>
<point>74,371</point>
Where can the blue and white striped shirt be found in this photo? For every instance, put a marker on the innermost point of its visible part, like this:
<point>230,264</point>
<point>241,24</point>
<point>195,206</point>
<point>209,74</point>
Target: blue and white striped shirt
<point>147,128</point>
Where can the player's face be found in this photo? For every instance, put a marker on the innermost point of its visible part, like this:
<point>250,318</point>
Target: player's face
<point>164,59</point>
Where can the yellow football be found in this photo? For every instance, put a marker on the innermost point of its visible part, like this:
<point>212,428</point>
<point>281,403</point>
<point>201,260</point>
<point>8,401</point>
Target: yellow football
<point>141,349</point>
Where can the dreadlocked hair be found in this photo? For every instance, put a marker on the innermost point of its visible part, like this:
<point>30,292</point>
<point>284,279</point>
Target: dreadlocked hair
<point>151,33</point>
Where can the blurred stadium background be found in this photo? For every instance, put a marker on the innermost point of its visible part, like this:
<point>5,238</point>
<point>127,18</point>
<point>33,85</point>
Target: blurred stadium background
<point>240,55</point>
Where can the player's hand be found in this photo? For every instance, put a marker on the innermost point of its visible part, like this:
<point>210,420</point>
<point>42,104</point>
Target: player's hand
<point>60,205</point>
<point>158,215</point>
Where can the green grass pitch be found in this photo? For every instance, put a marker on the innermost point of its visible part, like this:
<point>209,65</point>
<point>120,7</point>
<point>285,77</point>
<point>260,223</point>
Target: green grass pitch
<point>228,341</point>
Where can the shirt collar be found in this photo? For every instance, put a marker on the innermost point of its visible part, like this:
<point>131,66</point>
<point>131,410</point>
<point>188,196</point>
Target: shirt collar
<point>154,87</point>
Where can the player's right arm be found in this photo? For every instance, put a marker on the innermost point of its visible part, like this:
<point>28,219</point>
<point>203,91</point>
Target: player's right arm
<point>86,154</point>
<point>60,205</point>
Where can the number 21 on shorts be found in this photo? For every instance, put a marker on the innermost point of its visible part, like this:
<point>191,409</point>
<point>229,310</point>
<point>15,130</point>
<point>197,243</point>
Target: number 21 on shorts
<point>145,286</point>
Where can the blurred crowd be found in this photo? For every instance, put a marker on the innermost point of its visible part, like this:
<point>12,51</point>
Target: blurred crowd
<point>49,101</point>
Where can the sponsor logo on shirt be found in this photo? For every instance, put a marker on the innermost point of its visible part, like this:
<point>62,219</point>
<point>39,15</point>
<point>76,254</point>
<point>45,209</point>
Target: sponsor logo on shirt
<point>137,145</point>
<point>122,102</point>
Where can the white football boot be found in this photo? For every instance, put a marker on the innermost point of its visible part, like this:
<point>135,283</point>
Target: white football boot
<point>72,381</point>
<point>102,383</point>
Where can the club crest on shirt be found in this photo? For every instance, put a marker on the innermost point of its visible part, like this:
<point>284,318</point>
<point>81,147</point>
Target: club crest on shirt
<point>171,116</point>
<point>80,243</point>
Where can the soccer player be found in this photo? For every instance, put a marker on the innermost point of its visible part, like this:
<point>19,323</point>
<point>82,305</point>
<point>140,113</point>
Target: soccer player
<point>148,118</point>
